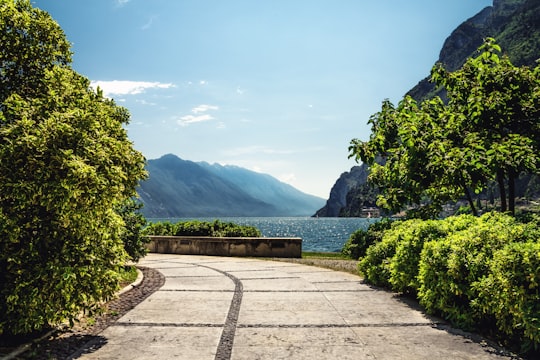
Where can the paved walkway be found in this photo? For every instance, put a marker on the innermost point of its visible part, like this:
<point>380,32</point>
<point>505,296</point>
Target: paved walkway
<point>238,308</point>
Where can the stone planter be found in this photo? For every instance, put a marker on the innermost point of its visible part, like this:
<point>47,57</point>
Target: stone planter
<point>226,246</point>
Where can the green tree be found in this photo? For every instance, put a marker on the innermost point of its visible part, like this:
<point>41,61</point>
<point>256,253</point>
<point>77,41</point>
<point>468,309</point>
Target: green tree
<point>66,164</point>
<point>436,152</point>
<point>501,106</point>
<point>31,44</point>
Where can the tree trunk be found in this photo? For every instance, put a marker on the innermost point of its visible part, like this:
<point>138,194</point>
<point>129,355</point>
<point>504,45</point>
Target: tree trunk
<point>502,190</point>
<point>471,202</point>
<point>512,193</point>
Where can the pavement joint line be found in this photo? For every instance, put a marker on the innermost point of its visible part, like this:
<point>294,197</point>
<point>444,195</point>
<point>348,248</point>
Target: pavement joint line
<point>248,270</point>
<point>305,291</point>
<point>336,326</point>
<point>197,290</point>
<point>277,326</point>
<point>225,346</point>
<point>272,278</point>
<point>311,272</point>
<point>176,325</point>
<point>193,276</point>
<point>338,282</point>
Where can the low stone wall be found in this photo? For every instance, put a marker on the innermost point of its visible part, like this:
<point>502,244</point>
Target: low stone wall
<point>226,246</point>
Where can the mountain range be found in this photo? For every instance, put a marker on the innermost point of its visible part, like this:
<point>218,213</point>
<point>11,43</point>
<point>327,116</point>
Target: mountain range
<point>182,188</point>
<point>515,25</point>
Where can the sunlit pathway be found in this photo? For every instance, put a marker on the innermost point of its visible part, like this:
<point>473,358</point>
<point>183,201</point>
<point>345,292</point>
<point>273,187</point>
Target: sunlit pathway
<point>237,308</point>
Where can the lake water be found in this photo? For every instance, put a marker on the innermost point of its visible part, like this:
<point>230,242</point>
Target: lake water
<point>318,234</point>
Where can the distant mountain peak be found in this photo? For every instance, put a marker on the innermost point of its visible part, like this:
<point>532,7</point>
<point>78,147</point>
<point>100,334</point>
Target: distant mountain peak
<point>183,188</point>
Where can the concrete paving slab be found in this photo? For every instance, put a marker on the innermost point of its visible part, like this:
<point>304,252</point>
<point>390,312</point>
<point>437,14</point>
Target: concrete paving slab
<point>299,343</point>
<point>287,309</point>
<point>422,342</point>
<point>237,308</point>
<point>278,283</point>
<point>186,307</point>
<point>157,342</point>
<point>210,283</point>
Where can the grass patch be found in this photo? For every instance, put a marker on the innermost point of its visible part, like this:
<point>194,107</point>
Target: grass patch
<point>128,274</point>
<point>324,255</point>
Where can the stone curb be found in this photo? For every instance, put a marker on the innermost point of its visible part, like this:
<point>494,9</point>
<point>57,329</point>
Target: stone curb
<point>134,284</point>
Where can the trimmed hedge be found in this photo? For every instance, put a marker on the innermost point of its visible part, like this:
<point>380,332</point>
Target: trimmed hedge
<point>480,274</point>
<point>216,228</point>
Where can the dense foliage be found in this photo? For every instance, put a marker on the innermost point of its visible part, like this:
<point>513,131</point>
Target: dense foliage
<point>132,235</point>
<point>216,228</point>
<point>66,165</point>
<point>360,240</point>
<point>480,273</point>
<point>435,152</point>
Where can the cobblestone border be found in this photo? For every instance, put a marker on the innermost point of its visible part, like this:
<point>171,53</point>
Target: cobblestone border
<point>224,349</point>
<point>84,338</point>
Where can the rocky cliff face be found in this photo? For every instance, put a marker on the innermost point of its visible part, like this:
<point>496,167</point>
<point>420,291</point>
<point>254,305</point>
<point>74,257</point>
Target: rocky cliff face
<point>338,195</point>
<point>514,24</point>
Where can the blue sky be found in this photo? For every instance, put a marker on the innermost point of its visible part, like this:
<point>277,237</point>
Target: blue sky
<point>279,87</point>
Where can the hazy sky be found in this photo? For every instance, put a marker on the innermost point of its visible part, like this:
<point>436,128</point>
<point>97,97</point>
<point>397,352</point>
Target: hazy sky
<point>275,86</point>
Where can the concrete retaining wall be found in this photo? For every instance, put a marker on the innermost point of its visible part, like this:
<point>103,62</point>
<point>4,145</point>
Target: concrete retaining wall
<point>229,246</point>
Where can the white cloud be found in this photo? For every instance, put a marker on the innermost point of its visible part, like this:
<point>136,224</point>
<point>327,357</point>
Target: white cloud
<point>191,119</point>
<point>204,108</point>
<point>126,87</point>
<point>144,102</point>
<point>121,3</point>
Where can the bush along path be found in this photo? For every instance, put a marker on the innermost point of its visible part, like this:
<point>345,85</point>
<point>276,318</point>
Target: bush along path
<point>480,273</point>
<point>62,344</point>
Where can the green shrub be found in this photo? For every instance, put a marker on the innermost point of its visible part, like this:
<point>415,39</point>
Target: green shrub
<point>194,228</point>
<point>375,266</point>
<point>161,228</point>
<point>133,238</point>
<point>233,230</point>
<point>510,293</point>
<point>216,228</point>
<point>360,240</point>
<point>404,265</point>
<point>450,267</point>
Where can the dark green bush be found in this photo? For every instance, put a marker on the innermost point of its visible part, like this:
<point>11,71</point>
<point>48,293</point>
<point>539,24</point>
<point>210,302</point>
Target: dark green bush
<point>233,230</point>
<point>161,228</point>
<point>375,266</point>
<point>450,267</point>
<point>132,236</point>
<point>360,240</point>
<point>194,228</point>
<point>216,228</point>
<point>510,293</point>
<point>404,265</point>
<point>481,274</point>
